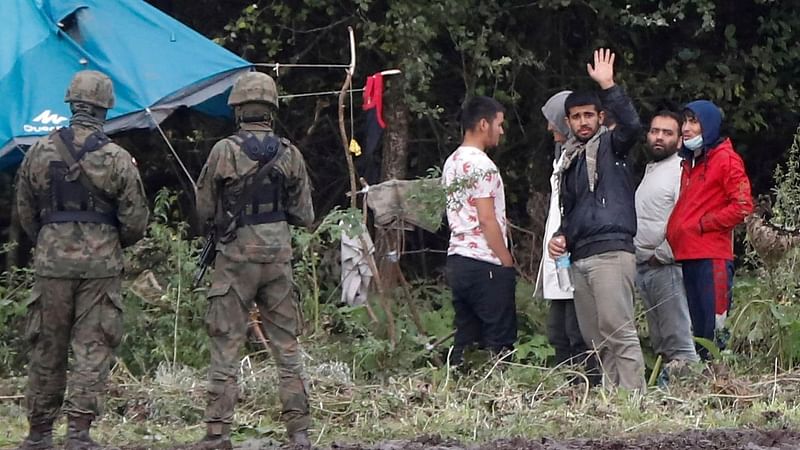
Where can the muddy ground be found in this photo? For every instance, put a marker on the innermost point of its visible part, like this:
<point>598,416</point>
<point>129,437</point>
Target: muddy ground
<point>710,440</point>
<point>741,439</point>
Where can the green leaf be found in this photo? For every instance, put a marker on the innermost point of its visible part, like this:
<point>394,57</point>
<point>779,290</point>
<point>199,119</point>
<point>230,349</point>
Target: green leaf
<point>710,346</point>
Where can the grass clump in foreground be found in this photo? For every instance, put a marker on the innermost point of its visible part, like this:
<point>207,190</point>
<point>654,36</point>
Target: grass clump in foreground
<point>366,387</point>
<point>495,400</point>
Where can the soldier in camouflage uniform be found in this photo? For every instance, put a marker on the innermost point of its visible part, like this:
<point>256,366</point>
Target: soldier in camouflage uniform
<point>253,262</point>
<point>80,199</point>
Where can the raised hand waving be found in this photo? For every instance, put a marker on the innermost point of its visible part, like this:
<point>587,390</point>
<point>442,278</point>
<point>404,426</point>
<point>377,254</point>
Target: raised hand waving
<point>603,70</point>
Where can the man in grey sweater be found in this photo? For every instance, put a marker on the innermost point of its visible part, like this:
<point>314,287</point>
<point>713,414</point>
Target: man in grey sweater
<point>658,277</point>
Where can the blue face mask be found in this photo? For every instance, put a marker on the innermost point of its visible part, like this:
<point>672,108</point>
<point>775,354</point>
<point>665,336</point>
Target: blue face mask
<point>693,143</point>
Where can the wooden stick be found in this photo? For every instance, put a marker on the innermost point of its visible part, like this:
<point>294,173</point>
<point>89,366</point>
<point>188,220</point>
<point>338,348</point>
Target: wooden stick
<point>364,184</point>
<point>255,324</point>
<point>415,317</point>
<point>387,309</point>
<point>348,81</point>
<point>370,312</point>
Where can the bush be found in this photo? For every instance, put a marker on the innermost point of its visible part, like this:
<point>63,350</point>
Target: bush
<point>14,293</point>
<point>164,317</point>
<point>786,212</point>
<point>766,320</point>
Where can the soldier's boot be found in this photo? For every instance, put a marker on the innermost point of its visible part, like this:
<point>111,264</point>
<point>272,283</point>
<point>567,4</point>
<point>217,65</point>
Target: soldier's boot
<point>40,437</point>
<point>78,434</point>
<point>299,440</point>
<point>218,437</point>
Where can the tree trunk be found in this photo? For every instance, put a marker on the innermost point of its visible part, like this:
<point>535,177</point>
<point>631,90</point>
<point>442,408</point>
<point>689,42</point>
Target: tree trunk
<point>395,140</point>
<point>389,241</point>
<point>395,165</point>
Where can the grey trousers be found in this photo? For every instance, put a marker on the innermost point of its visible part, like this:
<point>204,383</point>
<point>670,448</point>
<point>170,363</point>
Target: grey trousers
<point>664,298</point>
<point>604,285</point>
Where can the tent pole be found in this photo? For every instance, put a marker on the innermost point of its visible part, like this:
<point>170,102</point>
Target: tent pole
<point>172,149</point>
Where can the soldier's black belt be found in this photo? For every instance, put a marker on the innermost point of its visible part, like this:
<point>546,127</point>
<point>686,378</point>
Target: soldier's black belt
<point>79,216</point>
<point>266,217</point>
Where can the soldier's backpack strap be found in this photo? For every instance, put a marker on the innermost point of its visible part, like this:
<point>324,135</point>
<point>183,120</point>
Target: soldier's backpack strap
<point>66,150</point>
<point>62,139</point>
<point>237,139</point>
<point>229,230</point>
<point>261,150</point>
<point>262,171</point>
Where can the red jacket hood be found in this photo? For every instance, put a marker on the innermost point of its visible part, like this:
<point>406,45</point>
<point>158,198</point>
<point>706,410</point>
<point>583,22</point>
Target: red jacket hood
<point>715,197</point>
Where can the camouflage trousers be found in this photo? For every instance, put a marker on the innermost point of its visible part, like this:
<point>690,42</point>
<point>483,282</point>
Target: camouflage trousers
<point>86,316</point>
<point>236,285</point>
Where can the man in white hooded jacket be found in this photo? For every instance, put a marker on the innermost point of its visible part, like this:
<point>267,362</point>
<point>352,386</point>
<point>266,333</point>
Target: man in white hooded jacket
<point>563,332</point>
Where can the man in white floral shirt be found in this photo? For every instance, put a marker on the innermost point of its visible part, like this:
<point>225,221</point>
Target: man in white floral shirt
<point>480,269</point>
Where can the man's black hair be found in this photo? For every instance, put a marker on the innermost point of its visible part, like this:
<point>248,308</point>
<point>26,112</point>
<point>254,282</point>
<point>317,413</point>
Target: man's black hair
<point>672,115</point>
<point>582,99</point>
<point>478,108</point>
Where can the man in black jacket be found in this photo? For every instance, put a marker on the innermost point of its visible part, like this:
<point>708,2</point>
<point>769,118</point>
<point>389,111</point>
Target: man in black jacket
<point>599,222</point>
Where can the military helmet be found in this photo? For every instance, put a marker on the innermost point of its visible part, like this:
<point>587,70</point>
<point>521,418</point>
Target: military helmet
<point>92,87</point>
<point>254,87</point>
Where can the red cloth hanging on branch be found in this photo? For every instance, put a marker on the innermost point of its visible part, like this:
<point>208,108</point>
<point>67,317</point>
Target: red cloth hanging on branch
<point>373,97</point>
<point>368,165</point>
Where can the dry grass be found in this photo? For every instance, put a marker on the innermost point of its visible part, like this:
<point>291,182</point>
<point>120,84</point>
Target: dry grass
<point>498,399</point>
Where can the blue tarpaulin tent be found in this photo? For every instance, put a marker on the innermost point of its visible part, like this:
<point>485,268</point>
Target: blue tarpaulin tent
<point>156,63</point>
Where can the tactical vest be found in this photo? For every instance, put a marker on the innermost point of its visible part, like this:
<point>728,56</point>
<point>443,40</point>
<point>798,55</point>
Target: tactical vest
<point>70,200</point>
<point>265,202</point>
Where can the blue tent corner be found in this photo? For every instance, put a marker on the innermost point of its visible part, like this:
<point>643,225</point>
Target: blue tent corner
<point>157,65</point>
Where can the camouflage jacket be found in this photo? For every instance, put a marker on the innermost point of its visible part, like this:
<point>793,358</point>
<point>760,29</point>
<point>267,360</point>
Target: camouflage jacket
<point>225,171</point>
<point>81,250</point>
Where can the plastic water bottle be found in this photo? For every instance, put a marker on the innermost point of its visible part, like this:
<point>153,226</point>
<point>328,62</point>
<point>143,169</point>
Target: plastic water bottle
<point>562,272</point>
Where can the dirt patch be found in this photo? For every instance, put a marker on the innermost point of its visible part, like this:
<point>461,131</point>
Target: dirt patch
<point>700,440</point>
<point>741,439</point>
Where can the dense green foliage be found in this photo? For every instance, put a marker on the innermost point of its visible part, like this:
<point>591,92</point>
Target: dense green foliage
<point>765,326</point>
<point>742,55</point>
<point>786,211</point>
<point>164,317</point>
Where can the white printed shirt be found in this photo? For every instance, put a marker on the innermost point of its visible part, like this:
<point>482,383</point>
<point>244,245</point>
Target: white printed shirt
<point>469,174</point>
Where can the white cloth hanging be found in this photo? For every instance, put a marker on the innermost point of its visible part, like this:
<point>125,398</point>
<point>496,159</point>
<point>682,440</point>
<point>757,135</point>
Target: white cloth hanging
<point>356,273</point>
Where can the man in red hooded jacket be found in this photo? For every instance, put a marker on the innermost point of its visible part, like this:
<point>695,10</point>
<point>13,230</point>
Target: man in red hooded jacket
<point>715,197</point>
